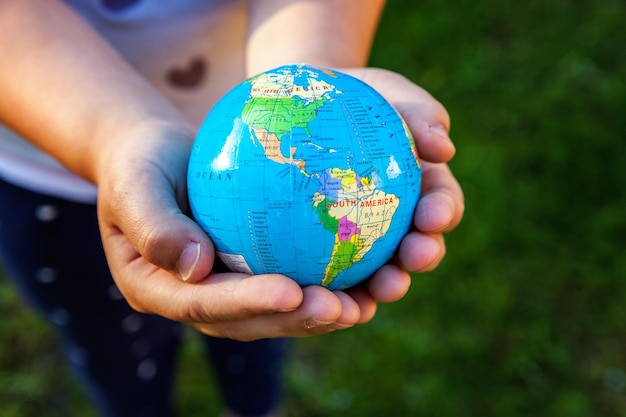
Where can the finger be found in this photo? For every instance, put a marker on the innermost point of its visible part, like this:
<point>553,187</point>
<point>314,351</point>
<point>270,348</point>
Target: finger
<point>428,121</point>
<point>219,297</point>
<point>420,252</point>
<point>146,211</point>
<point>430,125</point>
<point>321,312</point>
<point>350,311</point>
<point>389,284</point>
<point>442,204</point>
<point>367,303</point>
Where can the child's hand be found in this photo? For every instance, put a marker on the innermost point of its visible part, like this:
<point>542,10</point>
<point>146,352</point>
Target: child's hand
<point>441,205</point>
<point>161,260</point>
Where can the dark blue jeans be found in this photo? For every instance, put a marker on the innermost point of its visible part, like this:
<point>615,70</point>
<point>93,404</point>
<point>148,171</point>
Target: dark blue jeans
<point>51,249</point>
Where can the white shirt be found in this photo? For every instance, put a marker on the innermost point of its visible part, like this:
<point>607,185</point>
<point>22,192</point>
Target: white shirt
<point>190,50</point>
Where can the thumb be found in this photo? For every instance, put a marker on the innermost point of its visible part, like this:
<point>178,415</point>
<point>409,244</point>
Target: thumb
<point>145,212</point>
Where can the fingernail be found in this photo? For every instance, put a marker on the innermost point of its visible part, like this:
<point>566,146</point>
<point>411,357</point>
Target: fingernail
<point>311,323</point>
<point>188,260</point>
<point>441,132</point>
<point>339,326</point>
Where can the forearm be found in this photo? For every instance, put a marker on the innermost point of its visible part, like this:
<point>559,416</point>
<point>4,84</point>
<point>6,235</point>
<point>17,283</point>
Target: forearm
<point>326,33</point>
<point>65,89</point>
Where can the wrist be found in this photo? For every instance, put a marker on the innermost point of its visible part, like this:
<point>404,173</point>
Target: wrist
<point>151,141</point>
<point>335,33</point>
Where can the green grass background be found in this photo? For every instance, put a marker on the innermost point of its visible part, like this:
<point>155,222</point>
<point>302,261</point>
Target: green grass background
<point>526,315</point>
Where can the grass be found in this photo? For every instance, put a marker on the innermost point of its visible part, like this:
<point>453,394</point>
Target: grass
<point>526,314</point>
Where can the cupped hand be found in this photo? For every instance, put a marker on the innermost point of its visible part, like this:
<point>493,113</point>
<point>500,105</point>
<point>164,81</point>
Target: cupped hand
<point>441,205</point>
<point>162,261</point>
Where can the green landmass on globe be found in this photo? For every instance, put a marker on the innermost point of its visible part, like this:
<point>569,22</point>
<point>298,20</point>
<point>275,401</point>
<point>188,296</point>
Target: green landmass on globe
<point>304,172</point>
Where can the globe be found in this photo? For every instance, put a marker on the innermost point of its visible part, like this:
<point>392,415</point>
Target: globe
<point>305,172</point>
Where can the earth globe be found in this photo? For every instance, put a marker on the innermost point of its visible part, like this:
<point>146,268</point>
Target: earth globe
<point>305,172</point>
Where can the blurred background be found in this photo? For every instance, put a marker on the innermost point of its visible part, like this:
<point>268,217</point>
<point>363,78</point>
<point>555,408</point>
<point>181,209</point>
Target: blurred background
<point>526,314</point>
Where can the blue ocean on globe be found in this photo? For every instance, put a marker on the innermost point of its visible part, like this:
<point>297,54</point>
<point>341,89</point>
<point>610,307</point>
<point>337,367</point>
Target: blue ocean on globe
<point>304,172</point>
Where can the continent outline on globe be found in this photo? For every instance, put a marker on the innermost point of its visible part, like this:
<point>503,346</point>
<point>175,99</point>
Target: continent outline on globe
<point>314,151</point>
